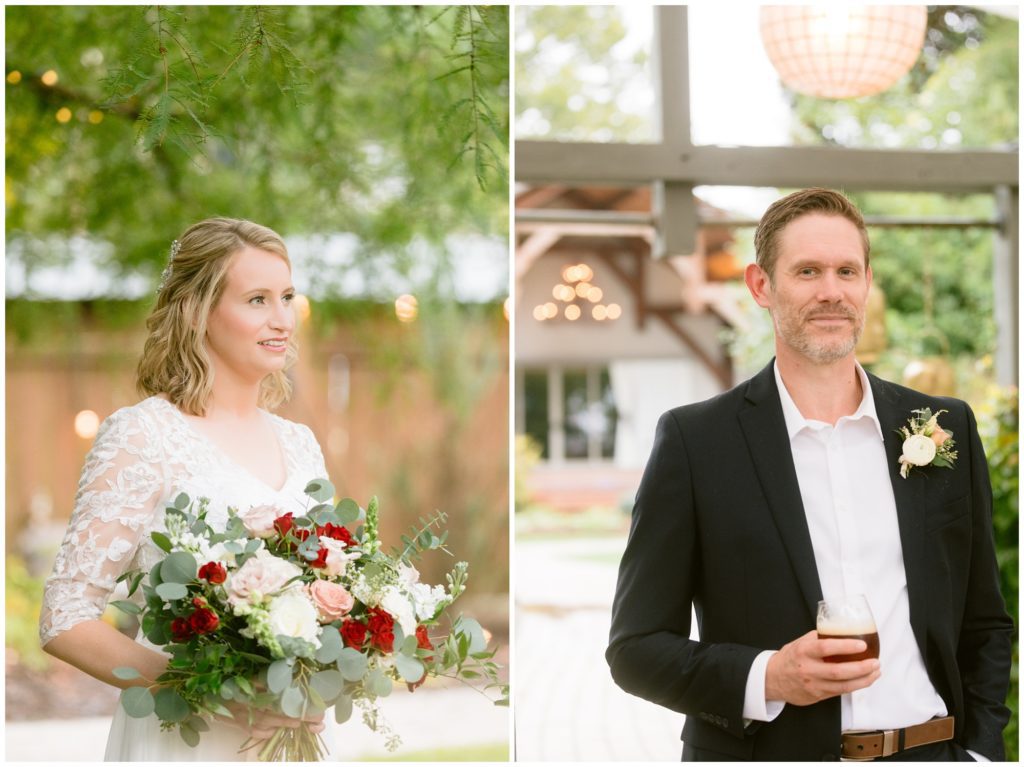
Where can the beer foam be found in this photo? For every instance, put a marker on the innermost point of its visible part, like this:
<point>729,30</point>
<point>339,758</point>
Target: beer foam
<point>840,626</point>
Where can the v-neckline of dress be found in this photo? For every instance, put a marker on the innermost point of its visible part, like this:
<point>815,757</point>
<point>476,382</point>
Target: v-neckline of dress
<point>231,461</point>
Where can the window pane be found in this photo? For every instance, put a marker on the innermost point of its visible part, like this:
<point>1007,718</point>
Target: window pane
<point>583,73</point>
<point>535,385</point>
<point>576,414</point>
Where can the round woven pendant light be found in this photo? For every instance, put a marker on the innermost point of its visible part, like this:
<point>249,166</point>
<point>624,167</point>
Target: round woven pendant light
<point>842,51</point>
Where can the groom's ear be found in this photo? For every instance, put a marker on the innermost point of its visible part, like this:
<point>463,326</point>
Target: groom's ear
<point>758,283</point>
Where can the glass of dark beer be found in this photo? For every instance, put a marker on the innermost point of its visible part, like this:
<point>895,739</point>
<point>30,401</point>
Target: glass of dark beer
<point>848,617</point>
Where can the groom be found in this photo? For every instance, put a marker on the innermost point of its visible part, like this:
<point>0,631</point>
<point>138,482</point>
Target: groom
<point>787,489</point>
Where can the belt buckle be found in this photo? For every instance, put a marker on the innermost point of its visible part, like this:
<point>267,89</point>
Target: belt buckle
<point>890,742</point>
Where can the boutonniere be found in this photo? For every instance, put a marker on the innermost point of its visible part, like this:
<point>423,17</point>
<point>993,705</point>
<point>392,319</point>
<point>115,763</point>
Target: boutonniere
<point>925,443</point>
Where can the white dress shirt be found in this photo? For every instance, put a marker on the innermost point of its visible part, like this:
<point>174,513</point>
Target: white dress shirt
<point>851,515</point>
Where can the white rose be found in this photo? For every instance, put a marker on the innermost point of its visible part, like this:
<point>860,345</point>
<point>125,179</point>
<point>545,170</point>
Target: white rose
<point>293,614</point>
<point>260,576</point>
<point>918,450</point>
<point>259,520</point>
<point>337,556</point>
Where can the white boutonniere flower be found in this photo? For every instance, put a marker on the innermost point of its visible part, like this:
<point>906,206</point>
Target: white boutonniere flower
<point>925,443</point>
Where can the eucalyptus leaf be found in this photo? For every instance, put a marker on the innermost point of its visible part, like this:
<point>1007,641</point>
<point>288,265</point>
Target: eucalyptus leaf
<point>352,664</point>
<point>474,631</point>
<point>343,709</point>
<point>161,540</point>
<point>229,689</point>
<point>410,669</point>
<point>409,645</point>
<point>347,510</point>
<point>126,672</point>
<point>198,724</point>
<point>154,574</point>
<point>327,683</point>
<point>137,702</point>
<point>293,701</point>
<point>170,706</point>
<point>330,646</point>
<point>279,676</point>
<point>181,502</point>
<point>127,607</point>
<point>376,683</point>
<point>179,567</point>
<point>170,591</point>
<point>189,735</point>
<point>253,546</point>
<point>320,489</point>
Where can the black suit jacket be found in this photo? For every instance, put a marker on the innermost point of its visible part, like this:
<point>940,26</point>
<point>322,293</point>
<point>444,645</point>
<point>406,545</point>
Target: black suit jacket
<point>719,523</point>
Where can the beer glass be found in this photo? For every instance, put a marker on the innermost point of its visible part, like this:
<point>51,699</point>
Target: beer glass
<point>848,617</point>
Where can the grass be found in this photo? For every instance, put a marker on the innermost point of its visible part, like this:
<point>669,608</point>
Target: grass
<point>482,752</point>
<point>539,522</point>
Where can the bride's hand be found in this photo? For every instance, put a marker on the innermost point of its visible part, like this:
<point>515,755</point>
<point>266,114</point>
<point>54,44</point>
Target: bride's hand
<point>266,722</point>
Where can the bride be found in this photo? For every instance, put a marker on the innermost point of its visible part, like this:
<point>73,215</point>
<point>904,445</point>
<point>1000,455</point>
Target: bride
<point>220,340</point>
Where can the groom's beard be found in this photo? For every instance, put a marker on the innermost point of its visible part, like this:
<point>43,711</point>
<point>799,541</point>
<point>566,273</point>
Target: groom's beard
<point>822,345</point>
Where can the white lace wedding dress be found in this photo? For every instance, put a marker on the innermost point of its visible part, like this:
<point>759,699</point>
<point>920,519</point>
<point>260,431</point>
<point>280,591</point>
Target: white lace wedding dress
<point>143,457</point>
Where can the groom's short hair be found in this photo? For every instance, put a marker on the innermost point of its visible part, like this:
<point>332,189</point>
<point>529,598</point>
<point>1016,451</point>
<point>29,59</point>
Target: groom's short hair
<point>792,206</point>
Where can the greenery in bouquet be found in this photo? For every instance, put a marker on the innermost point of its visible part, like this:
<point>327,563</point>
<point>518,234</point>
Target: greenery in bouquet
<point>295,614</point>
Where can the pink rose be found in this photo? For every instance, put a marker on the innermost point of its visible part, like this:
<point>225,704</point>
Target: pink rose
<point>939,437</point>
<point>260,576</point>
<point>331,599</point>
<point>259,520</point>
<point>337,558</point>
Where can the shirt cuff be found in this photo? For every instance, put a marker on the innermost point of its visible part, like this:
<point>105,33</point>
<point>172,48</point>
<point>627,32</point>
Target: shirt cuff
<point>755,707</point>
<point>975,755</point>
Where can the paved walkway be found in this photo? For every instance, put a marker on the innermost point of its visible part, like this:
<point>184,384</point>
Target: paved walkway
<point>426,719</point>
<point>567,708</point>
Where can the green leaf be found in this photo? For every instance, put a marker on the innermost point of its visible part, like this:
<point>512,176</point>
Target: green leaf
<point>199,724</point>
<point>330,646</point>
<point>376,683</point>
<point>352,664</point>
<point>293,701</point>
<point>154,574</point>
<point>327,683</point>
<point>161,540</point>
<point>348,511</point>
<point>127,607</point>
<point>474,631</point>
<point>252,546</point>
<point>343,709</point>
<point>190,736</point>
<point>409,646</point>
<point>171,591</point>
<point>229,689</point>
<point>137,702</point>
<point>279,676</point>
<point>410,669</point>
<point>179,567</point>
<point>181,502</point>
<point>320,490</point>
<point>243,684</point>
<point>170,706</point>
<point>126,672</point>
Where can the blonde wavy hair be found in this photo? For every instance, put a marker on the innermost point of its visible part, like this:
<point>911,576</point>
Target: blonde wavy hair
<point>174,359</point>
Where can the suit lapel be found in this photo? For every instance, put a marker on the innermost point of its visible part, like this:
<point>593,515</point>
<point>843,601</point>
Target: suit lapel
<point>764,428</point>
<point>909,495</point>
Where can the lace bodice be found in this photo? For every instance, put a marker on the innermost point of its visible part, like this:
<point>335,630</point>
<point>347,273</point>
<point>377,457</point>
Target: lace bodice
<point>144,455</point>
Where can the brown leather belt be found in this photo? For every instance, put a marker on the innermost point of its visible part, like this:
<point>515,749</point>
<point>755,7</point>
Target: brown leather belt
<point>864,745</point>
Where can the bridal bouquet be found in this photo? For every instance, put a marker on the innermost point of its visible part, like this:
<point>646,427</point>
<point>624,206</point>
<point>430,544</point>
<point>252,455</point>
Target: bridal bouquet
<point>295,614</point>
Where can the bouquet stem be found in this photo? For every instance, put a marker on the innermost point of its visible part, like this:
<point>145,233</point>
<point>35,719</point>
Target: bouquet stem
<point>293,744</point>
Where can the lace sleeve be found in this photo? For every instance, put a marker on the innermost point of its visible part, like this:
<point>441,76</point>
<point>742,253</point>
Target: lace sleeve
<point>117,494</point>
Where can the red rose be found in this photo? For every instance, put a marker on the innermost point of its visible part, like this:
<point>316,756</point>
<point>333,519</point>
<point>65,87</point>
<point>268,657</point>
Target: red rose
<point>284,523</point>
<point>338,532</point>
<point>321,559</point>
<point>423,639</point>
<point>203,621</point>
<point>354,633</point>
<point>181,631</point>
<point>199,602</point>
<point>213,572</point>
<point>381,626</point>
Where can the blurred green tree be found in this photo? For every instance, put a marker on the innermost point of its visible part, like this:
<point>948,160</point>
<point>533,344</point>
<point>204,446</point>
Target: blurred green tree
<point>124,123</point>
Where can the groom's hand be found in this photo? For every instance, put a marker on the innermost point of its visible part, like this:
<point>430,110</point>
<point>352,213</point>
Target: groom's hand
<point>798,673</point>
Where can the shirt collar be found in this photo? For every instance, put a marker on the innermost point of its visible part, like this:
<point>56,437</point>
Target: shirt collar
<point>795,421</point>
